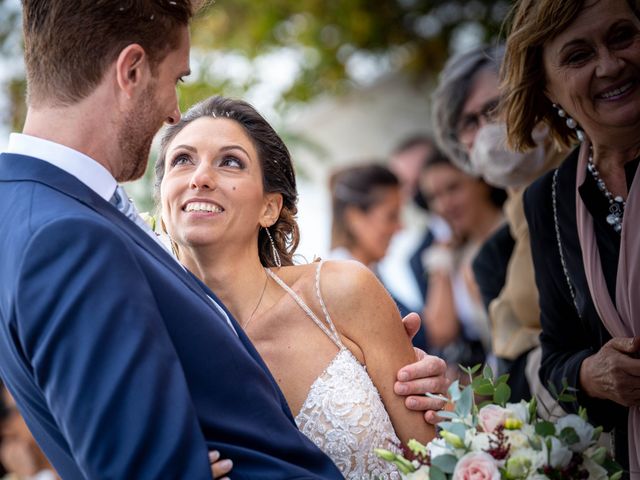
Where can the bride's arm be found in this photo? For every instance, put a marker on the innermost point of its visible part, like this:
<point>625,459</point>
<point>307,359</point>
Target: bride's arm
<point>365,314</point>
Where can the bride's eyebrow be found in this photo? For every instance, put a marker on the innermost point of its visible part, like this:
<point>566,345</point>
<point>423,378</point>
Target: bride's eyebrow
<point>185,147</point>
<point>234,147</point>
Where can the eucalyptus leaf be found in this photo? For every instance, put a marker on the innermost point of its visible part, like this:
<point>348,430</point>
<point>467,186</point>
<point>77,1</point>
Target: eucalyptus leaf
<point>502,394</point>
<point>487,372</point>
<point>454,391</point>
<point>436,474</point>
<point>569,436</point>
<point>463,406</point>
<point>545,428</point>
<point>446,463</point>
<point>457,428</point>
<point>451,415</point>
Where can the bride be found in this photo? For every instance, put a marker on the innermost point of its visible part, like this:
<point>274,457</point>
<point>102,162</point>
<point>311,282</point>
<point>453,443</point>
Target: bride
<point>329,332</point>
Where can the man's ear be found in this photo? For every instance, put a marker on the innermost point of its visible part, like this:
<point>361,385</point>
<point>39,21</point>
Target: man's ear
<point>132,66</point>
<point>271,209</point>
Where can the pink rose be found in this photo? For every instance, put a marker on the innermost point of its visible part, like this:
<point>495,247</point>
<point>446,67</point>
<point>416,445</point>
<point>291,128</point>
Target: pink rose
<point>491,417</point>
<point>476,466</point>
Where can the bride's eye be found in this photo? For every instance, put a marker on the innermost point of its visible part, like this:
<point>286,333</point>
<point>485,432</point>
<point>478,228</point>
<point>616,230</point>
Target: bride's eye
<point>232,162</point>
<point>180,159</point>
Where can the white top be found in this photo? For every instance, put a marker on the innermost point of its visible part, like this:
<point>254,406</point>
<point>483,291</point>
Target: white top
<point>81,166</point>
<point>343,413</point>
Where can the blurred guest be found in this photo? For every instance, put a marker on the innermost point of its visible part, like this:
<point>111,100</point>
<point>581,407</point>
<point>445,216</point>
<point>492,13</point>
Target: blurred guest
<point>366,202</point>
<point>19,452</point>
<point>574,66</point>
<point>467,128</point>
<point>401,269</point>
<point>455,318</point>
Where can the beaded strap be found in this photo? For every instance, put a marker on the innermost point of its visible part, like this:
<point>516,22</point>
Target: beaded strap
<point>559,241</point>
<point>331,331</point>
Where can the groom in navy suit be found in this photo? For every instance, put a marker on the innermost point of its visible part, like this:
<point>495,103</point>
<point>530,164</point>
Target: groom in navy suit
<point>123,365</point>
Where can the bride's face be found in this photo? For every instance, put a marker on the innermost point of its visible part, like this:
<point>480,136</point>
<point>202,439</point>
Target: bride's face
<point>212,189</point>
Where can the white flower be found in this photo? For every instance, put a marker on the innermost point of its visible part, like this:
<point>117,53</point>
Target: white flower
<point>536,457</point>
<point>560,455</point>
<point>478,442</point>
<point>519,410</point>
<point>596,472</point>
<point>438,447</point>
<point>517,439</point>
<point>582,428</point>
<point>421,474</point>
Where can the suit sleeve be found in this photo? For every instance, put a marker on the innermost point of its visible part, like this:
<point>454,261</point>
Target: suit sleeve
<point>565,341</point>
<point>91,330</point>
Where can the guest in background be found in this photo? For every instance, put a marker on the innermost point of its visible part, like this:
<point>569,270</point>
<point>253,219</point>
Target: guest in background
<point>466,126</point>
<point>454,316</point>
<point>366,202</point>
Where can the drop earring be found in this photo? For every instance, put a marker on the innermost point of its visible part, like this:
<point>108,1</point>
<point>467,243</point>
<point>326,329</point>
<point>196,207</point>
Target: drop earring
<point>570,122</point>
<point>274,250</point>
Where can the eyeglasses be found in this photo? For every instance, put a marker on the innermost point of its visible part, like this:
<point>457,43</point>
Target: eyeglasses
<point>470,121</point>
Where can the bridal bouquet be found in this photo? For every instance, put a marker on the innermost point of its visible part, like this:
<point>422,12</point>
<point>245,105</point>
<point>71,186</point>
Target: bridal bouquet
<point>500,440</point>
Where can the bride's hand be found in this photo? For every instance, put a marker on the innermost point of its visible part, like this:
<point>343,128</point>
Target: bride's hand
<point>428,374</point>
<point>219,467</point>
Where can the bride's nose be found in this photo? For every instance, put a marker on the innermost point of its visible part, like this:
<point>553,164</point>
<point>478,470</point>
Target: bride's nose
<point>203,178</point>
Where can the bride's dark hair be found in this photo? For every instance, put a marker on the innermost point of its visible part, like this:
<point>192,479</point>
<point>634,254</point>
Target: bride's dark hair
<point>277,169</point>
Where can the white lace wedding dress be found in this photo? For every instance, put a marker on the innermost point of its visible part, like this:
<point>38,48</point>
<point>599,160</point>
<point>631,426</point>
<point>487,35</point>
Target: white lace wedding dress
<point>343,413</point>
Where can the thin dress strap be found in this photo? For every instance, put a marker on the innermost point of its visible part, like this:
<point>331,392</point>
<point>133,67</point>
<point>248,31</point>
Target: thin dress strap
<point>330,331</point>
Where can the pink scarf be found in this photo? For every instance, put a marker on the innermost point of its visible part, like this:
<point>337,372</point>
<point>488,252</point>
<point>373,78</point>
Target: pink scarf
<point>623,321</point>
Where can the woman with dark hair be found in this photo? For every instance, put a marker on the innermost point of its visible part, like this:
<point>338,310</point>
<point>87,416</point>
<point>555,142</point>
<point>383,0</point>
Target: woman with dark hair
<point>575,66</point>
<point>328,332</point>
<point>453,313</point>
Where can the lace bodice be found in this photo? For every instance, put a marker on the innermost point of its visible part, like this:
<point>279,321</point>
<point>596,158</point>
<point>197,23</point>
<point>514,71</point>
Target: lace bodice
<point>343,413</point>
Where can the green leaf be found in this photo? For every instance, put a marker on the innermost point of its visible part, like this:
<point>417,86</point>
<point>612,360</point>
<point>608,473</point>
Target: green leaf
<point>485,389</point>
<point>446,414</point>
<point>569,436</point>
<point>463,406</point>
<point>454,391</point>
<point>487,372</point>
<point>456,428</point>
<point>446,463</point>
<point>533,408</point>
<point>502,378</point>
<point>436,474</point>
<point>552,389</point>
<point>566,397</point>
<point>502,394</point>
<point>437,397</point>
<point>545,429</point>
<point>596,433</point>
<point>475,368</point>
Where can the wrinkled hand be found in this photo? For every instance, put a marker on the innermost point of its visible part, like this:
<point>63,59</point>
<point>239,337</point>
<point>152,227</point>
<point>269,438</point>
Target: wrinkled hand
<point>427,374</point>
<point>219,467</point>
<point>613,373</point>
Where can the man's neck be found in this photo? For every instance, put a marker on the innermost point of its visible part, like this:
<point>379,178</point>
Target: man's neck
<point>80,127</point>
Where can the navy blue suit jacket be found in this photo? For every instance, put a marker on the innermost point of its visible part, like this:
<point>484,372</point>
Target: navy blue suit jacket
<point>119,362</point>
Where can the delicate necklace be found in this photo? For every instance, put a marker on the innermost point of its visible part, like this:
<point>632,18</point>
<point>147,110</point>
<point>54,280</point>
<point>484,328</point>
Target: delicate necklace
<point>616,204</point>
<point>264,289</point>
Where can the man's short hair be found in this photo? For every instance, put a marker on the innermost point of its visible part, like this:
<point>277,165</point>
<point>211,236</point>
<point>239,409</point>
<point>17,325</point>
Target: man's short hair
<point>70,43</point>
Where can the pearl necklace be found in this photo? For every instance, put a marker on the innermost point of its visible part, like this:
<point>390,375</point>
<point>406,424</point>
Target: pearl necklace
<point>616,204</point>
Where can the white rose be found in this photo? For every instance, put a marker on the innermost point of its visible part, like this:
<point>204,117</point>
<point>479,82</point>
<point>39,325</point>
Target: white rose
<point>560,455</point>
<point>421,474</point>
<point>582,428</point>
<point>519,410</point>
<point>596,472</point>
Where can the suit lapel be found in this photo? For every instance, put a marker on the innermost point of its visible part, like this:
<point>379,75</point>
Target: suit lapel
<point>23,168</point>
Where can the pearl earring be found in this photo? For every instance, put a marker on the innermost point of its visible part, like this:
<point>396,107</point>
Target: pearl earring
<point>571,123</point>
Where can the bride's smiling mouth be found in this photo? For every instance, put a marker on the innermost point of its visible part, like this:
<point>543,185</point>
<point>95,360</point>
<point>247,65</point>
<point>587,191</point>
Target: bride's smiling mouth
<point>202,206</point>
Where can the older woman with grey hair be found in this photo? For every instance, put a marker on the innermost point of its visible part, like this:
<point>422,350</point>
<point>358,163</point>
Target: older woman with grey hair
<point>467,129</point>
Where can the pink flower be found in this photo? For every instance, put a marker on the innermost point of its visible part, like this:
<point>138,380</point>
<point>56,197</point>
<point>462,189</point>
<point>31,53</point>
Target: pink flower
<point>491,417</point>
<point>476,466</point>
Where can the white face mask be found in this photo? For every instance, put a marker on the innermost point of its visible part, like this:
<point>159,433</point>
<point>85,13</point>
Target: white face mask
<point>501,167</point>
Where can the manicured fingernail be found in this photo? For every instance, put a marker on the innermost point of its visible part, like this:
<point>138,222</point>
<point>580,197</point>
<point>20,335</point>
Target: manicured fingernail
<point>214,455</point>
<point>226,464</point>
<point>403,376</point>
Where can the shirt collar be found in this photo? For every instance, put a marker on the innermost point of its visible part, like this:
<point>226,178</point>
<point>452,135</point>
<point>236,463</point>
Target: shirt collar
<point>75,163</point>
